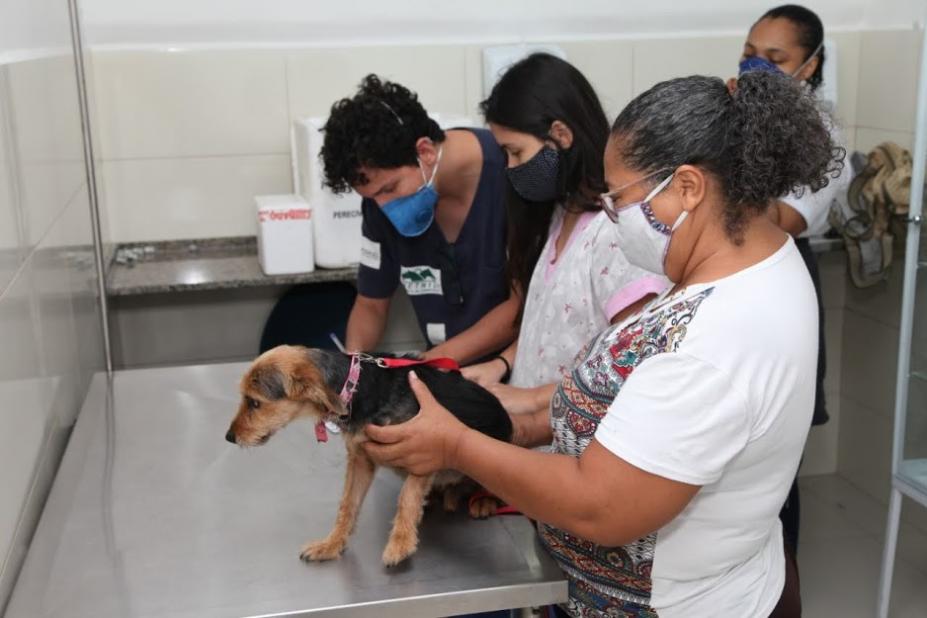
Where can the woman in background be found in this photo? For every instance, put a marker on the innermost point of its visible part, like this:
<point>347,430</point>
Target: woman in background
<point>789,39</point>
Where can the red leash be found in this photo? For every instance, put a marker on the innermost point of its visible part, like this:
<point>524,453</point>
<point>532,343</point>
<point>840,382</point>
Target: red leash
<point>440,363</point>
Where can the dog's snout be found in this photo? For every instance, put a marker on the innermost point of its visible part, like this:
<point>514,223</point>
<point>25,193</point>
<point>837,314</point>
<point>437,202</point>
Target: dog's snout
<point>230,436</point>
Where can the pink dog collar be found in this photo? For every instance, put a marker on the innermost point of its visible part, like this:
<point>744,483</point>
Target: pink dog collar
<point>347,394</point>
<point>350,384</point>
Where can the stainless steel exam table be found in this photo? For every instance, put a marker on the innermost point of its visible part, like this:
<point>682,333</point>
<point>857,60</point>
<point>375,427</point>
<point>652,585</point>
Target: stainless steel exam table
<point>154,514</point>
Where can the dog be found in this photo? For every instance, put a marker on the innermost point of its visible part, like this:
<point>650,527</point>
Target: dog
<point>291,382</point>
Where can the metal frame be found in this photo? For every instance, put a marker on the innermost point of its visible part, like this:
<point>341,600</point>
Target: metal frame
<point>902,486</point>
<point>91,172</point>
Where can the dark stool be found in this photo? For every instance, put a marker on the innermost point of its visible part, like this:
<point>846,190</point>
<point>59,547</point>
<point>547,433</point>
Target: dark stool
<point>307,314</point>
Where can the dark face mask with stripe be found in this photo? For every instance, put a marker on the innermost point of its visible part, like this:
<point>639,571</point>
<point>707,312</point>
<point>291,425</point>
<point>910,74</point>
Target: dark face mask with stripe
<point>535,180</point>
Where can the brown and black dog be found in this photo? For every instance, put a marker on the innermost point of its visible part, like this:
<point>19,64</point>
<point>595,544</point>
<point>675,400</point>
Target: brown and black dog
<point>291,382</point>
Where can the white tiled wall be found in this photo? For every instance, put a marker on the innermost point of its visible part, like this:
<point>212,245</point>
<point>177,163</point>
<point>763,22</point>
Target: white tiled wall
<point>319,77</point>
<point>49,325</point>
<point>609,66</point>
<point>195,197</point>
<point>196,104</point>
<point>889,62</point>
<point>888,65</point>
<point>199,132</point>
<point>868,138</point>
<point>661,59</point>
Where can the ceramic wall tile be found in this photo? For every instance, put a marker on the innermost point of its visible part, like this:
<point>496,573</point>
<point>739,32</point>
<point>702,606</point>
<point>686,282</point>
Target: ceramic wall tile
<point>888,68</point>
<point>190,103</point>
<point>163,199</point>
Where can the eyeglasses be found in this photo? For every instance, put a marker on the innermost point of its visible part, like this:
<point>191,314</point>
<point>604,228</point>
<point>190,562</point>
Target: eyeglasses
<point>607,201</point>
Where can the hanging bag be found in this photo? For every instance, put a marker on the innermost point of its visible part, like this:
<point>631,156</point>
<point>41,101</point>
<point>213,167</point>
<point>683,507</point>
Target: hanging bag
<point>877,204</point>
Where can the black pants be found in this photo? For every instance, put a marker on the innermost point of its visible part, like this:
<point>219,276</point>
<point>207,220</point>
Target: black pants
<point>811,263</point>
<point>790,515</point>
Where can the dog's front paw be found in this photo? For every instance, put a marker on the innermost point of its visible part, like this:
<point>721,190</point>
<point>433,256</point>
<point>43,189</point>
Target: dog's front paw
<point>399,547</point>
<point>325,549</point>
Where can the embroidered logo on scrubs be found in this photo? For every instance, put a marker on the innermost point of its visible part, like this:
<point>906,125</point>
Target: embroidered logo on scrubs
<point>420,280</point>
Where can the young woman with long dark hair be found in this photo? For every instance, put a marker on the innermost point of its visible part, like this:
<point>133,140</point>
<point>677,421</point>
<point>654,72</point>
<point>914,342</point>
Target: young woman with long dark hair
<point>563,255</point>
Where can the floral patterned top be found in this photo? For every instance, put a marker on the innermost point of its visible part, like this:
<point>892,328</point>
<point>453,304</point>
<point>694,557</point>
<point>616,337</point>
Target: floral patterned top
<point>574,296</point>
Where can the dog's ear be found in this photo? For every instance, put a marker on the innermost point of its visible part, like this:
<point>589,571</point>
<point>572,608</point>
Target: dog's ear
<point>307,384</point>
<point>269,382</point>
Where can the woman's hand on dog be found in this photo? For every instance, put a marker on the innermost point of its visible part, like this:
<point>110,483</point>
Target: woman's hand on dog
<point>422,445</point>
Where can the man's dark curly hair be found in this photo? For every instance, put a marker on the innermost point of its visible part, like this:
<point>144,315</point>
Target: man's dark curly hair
<point>768,138</point>
<point>378,128</point>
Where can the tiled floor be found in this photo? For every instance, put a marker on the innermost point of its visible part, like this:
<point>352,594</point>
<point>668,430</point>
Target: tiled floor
<point>842,534</point>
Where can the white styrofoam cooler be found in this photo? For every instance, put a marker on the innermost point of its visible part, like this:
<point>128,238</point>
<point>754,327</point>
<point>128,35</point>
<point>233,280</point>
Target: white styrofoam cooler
<point>285,242</point>
<point>336,218</point>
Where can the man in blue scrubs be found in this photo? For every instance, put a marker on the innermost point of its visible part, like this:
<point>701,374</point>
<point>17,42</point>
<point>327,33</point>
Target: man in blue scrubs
<point>434,220</point>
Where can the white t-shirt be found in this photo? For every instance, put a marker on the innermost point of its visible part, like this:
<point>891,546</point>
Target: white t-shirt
<point>574,296</point>
<point>728,408</point>
<point>814,207</point>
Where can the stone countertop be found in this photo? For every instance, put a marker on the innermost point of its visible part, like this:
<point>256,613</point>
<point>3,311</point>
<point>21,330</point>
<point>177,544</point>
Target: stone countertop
<point>211,264</point>
<point>229,263</point>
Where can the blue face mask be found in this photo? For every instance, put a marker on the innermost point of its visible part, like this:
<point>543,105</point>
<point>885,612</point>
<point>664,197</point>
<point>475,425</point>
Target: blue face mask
<point>756,63</point>
<point>412,214</point>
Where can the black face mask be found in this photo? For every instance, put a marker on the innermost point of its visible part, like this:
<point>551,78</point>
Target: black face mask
<point>536,179</point>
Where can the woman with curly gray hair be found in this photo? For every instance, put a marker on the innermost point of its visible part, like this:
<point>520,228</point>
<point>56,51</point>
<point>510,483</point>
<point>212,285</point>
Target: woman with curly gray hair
<point>678,432</point>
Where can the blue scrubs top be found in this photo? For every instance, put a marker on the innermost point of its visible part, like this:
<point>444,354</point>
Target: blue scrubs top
<point>451,285</point>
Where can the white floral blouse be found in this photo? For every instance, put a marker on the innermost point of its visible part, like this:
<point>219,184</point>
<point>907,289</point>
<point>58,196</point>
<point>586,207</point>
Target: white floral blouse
<point>573,297</point>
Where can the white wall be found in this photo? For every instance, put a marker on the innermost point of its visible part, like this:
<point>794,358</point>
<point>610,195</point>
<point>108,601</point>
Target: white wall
<point>366,21</point>
<point>28,28</point>
<point>49,329</point>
